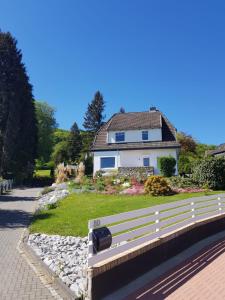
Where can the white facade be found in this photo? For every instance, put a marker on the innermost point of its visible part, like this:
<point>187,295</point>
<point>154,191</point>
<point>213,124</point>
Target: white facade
<point>133,158</point>
<point>136,135</point>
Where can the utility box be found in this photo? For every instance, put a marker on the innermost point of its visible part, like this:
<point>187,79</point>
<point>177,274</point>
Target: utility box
<point>102,239</point>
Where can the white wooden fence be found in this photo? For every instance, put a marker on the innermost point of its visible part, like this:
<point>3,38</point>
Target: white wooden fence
<point>131,229</point>
<point>5,185</point>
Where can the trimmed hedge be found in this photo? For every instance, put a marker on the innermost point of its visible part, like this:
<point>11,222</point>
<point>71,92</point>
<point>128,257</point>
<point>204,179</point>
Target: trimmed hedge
<point>167,165</point>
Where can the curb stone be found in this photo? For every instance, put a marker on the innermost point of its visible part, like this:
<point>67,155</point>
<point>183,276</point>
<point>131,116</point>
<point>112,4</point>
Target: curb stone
<point>57,288</point>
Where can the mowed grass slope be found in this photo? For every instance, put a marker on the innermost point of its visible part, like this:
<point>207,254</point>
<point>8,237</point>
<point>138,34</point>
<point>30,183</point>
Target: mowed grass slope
<point>72,214</point>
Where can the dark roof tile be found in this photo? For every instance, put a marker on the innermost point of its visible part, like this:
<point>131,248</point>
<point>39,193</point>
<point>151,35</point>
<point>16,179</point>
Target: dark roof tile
<point>132,121</point>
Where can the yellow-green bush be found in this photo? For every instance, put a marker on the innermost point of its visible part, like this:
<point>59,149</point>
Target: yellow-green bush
<point>157,186</point>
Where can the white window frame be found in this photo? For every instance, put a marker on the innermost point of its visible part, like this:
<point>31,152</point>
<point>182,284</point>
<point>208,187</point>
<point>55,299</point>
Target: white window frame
<point>146,156</point>
<point>142,135</point>
<point>110,168</point>
<point>118,133</point>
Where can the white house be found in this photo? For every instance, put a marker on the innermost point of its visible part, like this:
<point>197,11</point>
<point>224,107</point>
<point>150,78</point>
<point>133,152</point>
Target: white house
<point>133,140</point>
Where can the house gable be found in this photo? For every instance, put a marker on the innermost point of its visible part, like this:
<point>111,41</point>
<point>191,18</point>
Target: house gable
<point>162,133</point>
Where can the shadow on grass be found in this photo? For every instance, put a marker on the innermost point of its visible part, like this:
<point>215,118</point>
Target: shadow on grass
<point>41,216</point>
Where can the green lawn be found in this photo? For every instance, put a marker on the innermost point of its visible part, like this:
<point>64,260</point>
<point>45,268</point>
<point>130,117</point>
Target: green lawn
<point>72,215</point>
<point>43,173</point>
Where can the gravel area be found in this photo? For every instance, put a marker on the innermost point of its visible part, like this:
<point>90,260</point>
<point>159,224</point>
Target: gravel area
<point>51,198</point>
<point>66,256</point>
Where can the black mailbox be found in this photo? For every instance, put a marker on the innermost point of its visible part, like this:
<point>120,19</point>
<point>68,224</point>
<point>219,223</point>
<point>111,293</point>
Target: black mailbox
<point>102,239</point>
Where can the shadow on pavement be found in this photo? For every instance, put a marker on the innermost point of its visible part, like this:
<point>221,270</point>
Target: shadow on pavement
<point>14,218</point>
<point>10,198</point>
<point>166,284</point>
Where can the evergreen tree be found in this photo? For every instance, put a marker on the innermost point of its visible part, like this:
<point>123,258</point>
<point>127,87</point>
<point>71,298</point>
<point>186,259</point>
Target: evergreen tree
<point>94,117</point>
<point>74,144</point>
<point>122,110</point>
<point>18,130</point>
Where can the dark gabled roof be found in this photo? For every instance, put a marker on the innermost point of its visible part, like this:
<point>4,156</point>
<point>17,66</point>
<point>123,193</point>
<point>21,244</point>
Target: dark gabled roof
<point>219,150</point>
<point>135,121</point>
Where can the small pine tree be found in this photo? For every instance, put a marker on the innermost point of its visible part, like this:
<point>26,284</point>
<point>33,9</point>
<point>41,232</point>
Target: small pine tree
<point>74,144</point>
<point>122,110</point>
<point>94,117</point>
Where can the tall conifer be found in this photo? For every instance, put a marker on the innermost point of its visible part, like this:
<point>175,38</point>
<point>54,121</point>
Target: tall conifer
<point>94,117</point>
<point>18,130</point>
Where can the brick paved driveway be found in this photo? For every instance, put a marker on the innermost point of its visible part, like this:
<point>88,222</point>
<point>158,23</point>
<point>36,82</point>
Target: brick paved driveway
<point>17,279</point>
<point>200,277</point>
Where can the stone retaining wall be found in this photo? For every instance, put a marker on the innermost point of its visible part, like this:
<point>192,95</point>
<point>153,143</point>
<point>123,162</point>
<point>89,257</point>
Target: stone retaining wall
<point>135,171</point>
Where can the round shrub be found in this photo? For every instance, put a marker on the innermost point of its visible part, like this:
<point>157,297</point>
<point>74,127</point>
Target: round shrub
<point>157,186</point>
<point>167,165</point>
<point>210,172</point>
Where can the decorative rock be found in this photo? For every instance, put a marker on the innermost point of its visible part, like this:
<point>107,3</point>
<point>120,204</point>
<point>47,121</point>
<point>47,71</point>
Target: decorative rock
<point>52,197</point>
<point>66,256</point>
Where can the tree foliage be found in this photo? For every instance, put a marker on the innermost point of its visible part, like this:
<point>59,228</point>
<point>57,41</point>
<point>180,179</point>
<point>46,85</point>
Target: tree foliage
<point>46,126</point>
<point>18,130</point>
<point>188,144</point>
<point>191,152</point>
<point>94,117</point>
<point>74,144</point>
<point>60,153</point>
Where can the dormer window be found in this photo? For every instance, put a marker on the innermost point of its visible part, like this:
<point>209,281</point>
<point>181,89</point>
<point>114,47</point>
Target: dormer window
<point>120,136</point>
<point>145,135</point>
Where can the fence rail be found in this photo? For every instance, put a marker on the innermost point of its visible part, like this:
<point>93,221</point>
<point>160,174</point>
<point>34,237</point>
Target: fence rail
<point>131,229</point>
<point>6,185</point>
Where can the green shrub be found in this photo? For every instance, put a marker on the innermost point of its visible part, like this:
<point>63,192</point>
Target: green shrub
<point>100,184</point>
<point>210,172</point>
<point>52,205</point>
<point>167,165</point>
<point>99,174</point>
<point>88,162</point>
<point>157,186</point>
<point>182,182</point>
<point>184,165</point>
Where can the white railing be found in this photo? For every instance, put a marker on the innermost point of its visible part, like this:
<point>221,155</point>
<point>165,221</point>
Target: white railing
<point>5,185</point>
<point>131,229</point>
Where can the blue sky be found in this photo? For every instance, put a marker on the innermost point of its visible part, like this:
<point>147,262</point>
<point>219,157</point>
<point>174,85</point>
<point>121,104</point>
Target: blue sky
<point>170,54</point>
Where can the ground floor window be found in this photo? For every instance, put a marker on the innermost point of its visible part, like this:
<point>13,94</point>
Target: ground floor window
<point>146,162</point>
<point>107,162</point>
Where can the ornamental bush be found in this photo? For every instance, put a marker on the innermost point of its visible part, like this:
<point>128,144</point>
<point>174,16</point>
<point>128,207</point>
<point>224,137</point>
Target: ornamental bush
<point>182,182</point>
<point>157,186</point>
<point>167,165</point>
<point>210,172</point>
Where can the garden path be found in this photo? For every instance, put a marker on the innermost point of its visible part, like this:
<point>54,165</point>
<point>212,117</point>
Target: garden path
<point>18,280</point>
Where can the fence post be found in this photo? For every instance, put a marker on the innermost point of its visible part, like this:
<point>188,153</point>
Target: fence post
<point>193,210</point>
<point>90,241</point>
<point>219,204</point>
<point>157,221</point>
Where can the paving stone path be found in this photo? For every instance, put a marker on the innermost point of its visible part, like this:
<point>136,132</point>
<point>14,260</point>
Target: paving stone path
<point>17,278</point>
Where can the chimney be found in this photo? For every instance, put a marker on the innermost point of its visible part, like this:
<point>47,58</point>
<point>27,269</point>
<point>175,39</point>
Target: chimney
<point>152,108</point>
